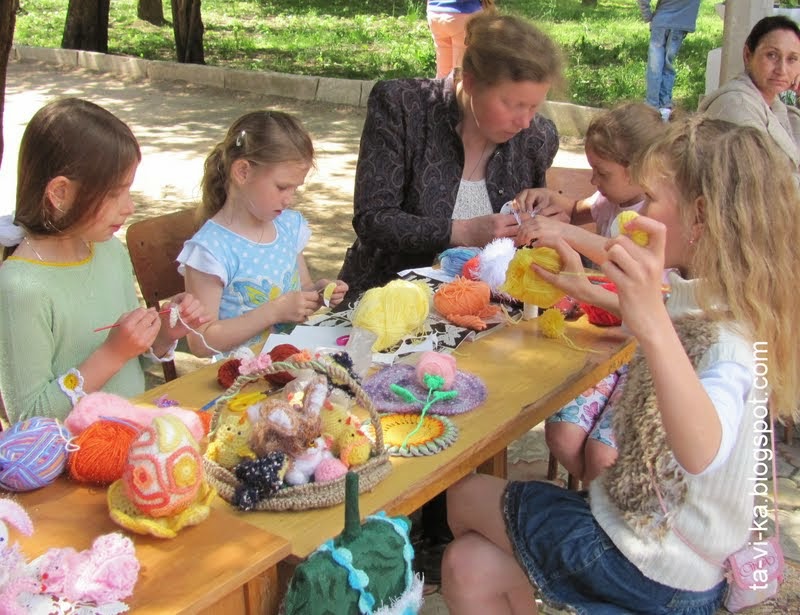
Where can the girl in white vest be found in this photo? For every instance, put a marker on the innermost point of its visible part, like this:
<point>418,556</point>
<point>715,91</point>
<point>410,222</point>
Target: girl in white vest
<point>692,419</point>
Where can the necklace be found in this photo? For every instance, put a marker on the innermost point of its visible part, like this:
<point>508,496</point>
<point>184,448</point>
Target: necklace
<point>39,256</point>
<point>480,160</point>
<point>35,251</point>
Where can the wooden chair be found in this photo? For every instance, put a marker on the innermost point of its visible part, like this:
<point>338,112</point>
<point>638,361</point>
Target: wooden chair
<point>574,184</point>
<point>154,245</point>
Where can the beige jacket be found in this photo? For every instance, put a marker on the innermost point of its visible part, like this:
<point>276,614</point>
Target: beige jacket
<point>739,101</point>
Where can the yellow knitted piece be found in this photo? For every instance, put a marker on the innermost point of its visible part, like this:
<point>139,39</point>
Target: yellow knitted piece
<point>393,311</point>
<point>523,283</point>
<point>124,513</point>
<point>618,228</point>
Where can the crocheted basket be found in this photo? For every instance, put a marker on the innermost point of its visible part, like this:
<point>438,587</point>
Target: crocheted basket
<point>310,495</point>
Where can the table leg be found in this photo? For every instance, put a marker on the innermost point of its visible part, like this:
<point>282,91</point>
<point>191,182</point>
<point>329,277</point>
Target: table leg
<point>495,466</point>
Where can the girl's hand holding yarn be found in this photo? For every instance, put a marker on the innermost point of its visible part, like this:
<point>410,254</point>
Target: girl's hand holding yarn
<point>574,283</point>
<point>637,273</point>
<point>331,292</point>
<point>295,306</point>
<point>545,230</point>
<point>135,334</point>
<point>190,315</point>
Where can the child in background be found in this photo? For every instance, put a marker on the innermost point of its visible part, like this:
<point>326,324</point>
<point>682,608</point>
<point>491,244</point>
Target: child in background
<point>246,263</point>
<point>721,201</point>
<point>447,20</point>
<point>65,274</point>
<point>580,435</point>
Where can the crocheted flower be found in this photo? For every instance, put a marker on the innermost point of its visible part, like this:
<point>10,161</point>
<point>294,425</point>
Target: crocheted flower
<point>71,384</point>
<point>255,364</point>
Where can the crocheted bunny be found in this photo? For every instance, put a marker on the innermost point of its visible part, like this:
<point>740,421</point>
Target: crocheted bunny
<point>15,579</point>
<point>304,465</point>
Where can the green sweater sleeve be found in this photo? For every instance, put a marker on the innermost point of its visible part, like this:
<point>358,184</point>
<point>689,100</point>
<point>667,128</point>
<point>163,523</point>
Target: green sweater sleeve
<point>48,314</point>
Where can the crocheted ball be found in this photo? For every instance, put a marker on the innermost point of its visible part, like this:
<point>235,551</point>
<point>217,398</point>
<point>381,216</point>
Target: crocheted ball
<point>164,470</point>
<point>329,469</point>
<point>32,453</point>
<point>228,372</point>
<point>281,352</point>
<point>102,452</point>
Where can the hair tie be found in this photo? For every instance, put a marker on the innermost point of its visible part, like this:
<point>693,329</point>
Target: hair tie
<point>10,234</point>
<point>240,139</point>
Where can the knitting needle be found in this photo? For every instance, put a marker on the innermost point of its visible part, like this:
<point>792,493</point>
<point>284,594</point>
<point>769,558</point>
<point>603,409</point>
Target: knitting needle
<point>116,324</point>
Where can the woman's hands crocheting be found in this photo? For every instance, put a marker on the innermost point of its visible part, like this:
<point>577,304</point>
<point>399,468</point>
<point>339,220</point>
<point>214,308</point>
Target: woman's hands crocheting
<point>637,272</point>
<point>542,202</point>
<point>477,232</point>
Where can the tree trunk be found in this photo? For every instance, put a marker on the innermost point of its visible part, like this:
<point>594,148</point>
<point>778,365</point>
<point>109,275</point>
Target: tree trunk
<point>8,19</point>
<point>151,11</point>
<point>87,25</point>
<point>187,23</point>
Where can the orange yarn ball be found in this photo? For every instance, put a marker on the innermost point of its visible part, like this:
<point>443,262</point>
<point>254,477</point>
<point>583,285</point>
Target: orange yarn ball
<point>462,297</point>
<point>102,453</point>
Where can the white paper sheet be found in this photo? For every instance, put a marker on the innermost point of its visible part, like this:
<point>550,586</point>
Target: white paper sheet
<point>307,337</point>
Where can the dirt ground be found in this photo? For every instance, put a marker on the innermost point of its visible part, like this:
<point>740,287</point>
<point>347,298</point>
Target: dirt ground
<point>177,124</point>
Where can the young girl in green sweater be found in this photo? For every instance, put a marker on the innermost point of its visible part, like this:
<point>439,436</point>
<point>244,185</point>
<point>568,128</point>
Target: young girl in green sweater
<point>64,274</point>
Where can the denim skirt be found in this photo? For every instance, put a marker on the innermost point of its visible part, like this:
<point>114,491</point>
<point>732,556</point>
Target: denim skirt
<point>574,564</point>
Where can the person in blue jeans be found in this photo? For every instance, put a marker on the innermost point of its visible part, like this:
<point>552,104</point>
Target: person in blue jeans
<point>669,24</point>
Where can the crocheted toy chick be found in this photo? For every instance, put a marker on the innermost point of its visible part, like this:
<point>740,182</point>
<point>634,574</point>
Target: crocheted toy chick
<point>230,443</point>
<point>354,445</point>
<point>333,418</point>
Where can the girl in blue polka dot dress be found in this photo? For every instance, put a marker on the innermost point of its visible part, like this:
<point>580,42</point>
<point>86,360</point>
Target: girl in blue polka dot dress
<point>246,263</point>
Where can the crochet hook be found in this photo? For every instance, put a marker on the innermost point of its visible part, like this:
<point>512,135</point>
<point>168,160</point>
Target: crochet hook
<point>116,324</point>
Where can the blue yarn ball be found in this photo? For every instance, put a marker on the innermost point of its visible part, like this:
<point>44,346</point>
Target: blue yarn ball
<point>452,260</point>
<point>33,453</point>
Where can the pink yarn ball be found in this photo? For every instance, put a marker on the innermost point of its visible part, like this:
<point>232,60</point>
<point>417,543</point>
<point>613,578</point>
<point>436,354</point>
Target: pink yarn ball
<point>328,470</point>
<point>436,364</point>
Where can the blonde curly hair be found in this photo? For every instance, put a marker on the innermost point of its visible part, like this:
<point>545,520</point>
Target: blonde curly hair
<point>735,182</point>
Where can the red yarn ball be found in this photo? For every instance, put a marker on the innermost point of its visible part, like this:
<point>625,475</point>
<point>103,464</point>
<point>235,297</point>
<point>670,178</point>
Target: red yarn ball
<point>281,352</point>
<point>470,268</point>
<point>228,372</point>
<point>102,453</point>
<point>599,316</point>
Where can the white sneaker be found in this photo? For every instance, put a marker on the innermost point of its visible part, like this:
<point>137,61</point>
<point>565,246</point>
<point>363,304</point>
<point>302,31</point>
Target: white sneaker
<point>665,113</point>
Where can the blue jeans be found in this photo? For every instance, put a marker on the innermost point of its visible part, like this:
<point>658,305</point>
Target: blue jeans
<point>664,46</point>
<point>574,563</point>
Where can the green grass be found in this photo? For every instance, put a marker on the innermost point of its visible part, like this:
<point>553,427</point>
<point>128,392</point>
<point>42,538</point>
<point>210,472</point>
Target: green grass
<point>605,47</point>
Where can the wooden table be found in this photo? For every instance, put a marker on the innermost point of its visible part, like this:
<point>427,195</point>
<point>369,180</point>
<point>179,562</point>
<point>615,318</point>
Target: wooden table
<point>528,378</point>
<point>220,566</point>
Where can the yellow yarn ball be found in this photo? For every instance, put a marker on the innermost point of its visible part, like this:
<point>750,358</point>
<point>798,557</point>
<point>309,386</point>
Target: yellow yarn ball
<point>393,311</point>
<point>552,323</point>
<point>618,228</point>
<point>523,283</point>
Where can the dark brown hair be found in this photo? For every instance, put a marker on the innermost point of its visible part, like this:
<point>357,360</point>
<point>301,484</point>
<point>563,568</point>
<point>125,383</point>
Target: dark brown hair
<point>262,137</point>
<point>81,141</point>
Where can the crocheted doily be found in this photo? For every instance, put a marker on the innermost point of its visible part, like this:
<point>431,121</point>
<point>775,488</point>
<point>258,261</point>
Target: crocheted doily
<point>471,391</point>
<point>435,434</point>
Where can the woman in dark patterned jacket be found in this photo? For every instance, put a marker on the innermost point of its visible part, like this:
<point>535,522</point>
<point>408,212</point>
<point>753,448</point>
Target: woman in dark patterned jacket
<point>440,157</point>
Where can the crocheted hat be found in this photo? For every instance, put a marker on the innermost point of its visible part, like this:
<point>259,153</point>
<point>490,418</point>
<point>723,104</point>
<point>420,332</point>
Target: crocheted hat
<point>366,569</point>
<point>471,391</point>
